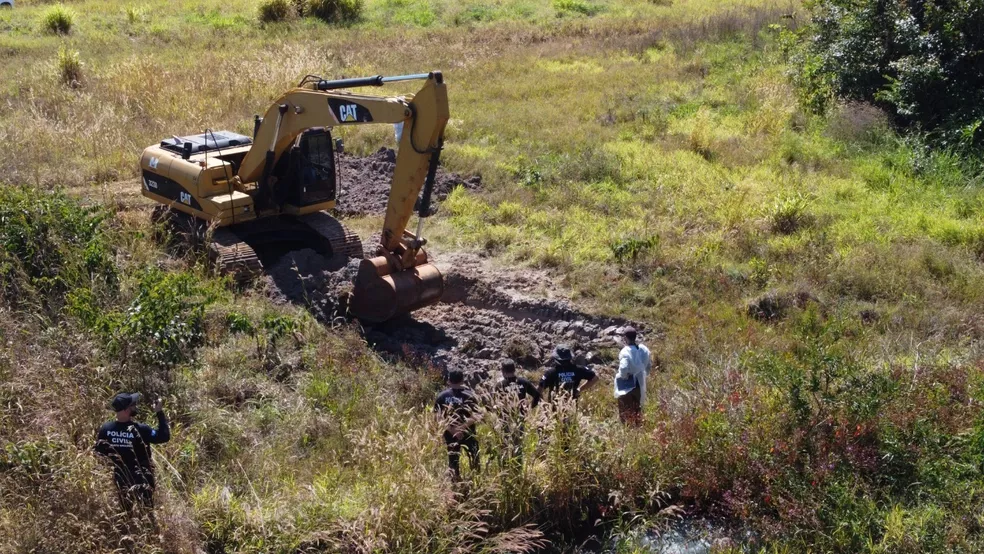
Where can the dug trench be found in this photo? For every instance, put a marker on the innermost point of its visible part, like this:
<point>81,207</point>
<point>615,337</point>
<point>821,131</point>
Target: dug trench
<point>486,312</point>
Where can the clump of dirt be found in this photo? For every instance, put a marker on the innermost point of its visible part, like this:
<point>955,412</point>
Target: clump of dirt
<point>365,183</point>
<point>307,277</point>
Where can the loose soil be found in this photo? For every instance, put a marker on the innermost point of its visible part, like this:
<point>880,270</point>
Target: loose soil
<point>486,314</point>
<point>365,183</point>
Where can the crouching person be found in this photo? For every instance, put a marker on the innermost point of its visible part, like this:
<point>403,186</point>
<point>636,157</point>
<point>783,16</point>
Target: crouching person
<point>126,444</point>
<point>458,408</point>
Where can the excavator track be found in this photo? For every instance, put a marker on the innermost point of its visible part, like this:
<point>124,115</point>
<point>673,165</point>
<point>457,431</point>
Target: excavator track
<point>342,239</point>
<point>233,250</point>
<point>230,255</point>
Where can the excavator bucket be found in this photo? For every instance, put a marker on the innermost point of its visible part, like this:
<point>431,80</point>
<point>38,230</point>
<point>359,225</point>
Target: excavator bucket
<point>381,293</point>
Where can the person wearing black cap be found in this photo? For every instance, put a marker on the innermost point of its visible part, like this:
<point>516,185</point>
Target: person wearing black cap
<point>516,396</point>
<point>458,408</point>
<point>126,443</point>
<point>566,376</point>
<point>634,362</point>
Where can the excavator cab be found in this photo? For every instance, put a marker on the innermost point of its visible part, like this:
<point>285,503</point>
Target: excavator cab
<point>310,170</point>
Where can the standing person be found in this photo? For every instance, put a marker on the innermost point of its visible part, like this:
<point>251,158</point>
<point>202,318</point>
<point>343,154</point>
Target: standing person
<point>458,407</point>
<point>515,389</point>
<point>126,443</point>
<point>566,376</point>
<point>634,363</point>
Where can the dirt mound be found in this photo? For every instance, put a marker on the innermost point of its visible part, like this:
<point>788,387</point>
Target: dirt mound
<point>309,278</point>
<point>365,183</point>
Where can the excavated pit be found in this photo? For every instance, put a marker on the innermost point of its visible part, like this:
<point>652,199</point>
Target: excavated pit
<point>485,314</point>
<point>365,183</point>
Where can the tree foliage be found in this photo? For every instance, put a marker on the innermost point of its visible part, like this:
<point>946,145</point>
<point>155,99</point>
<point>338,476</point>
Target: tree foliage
<point>920,60</point>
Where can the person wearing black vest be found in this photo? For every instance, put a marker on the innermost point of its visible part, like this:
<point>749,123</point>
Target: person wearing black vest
<point>126,444</point>
<point>566,376</point>
<point>514,396</point>
<point>458,408</point>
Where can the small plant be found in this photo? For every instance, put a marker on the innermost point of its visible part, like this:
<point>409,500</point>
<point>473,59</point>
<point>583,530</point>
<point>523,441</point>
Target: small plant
<point>629,249</point>
<point>576,7</point>
<point>788,214</point>
<point>58,19</point>
<point>240,324</point>
<point>336,11</point>
<point>271,11</point>
<point>70,66</point>
<point>135,14</point>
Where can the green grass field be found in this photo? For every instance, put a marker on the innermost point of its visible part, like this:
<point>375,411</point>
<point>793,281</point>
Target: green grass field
<point>651,155</point>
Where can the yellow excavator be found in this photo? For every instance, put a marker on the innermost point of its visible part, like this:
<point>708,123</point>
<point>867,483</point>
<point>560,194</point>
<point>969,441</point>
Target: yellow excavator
<point>267,195</point>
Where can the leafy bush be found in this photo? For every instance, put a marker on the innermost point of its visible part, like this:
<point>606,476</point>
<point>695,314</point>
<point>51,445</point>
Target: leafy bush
<point>162,325</point>
<point>50,244</point>
<point>336,11</point>
<point>58,19</point>
<point>788,214</point>
<point>576,7</point>
<point>70,66</point>
<point>629,249</point>
<point>919,60</point>
<point>276,10</point>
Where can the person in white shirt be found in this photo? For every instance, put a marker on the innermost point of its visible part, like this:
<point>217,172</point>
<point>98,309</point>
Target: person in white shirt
<point>634,362</point>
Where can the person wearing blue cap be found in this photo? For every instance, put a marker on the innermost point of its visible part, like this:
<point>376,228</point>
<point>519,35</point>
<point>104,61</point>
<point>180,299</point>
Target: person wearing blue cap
<point>566,376</point>
<point>126,444</point>
<point>634,363</point>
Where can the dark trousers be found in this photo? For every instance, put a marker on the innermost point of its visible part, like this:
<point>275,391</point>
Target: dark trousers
<point>137,495</point>
<point>470,442</point>
<point>630,407</point>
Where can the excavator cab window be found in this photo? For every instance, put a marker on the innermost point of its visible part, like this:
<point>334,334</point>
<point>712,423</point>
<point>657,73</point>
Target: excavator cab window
<point>312,169</point>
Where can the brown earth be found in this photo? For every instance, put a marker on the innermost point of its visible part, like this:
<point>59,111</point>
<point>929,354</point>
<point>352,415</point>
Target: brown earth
<point>486,314</point>
<point>365,183</point>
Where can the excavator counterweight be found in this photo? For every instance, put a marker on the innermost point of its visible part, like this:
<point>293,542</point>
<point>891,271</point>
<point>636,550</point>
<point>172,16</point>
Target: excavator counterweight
<point>271,193</point>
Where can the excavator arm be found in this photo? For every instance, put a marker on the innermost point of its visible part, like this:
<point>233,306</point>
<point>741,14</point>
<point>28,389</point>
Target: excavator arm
<point>398,279</point>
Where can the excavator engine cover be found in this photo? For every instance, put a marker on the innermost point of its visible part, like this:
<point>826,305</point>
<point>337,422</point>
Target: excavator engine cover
<point>381,293</point>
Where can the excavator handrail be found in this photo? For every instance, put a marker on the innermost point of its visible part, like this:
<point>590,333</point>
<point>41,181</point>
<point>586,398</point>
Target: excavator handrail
<point>376,80</point>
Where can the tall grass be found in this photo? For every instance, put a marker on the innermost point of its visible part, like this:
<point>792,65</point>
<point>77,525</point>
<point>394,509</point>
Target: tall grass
<point>652,156</point>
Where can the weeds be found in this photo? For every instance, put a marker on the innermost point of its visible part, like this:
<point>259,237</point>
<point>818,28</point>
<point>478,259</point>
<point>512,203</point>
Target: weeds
<point>58,19</point>
<point>276,10</point>
<point>336,11</point>
<point>70,66</point>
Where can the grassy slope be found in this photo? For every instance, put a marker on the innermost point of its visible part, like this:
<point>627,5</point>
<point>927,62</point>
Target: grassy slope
<point>672,121</point>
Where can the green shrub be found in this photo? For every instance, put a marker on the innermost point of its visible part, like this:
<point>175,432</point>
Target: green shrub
<point>788,214</point>
<point>276,10</point>
<point>629,249</point>
<point>135,14</point>
<point>575,7</point>
<point>336,11</point>
<point>50,244</point>
<point>58,19</point>
<point>160,327</point>
<point>918,60</point>
<point>70,66</point>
